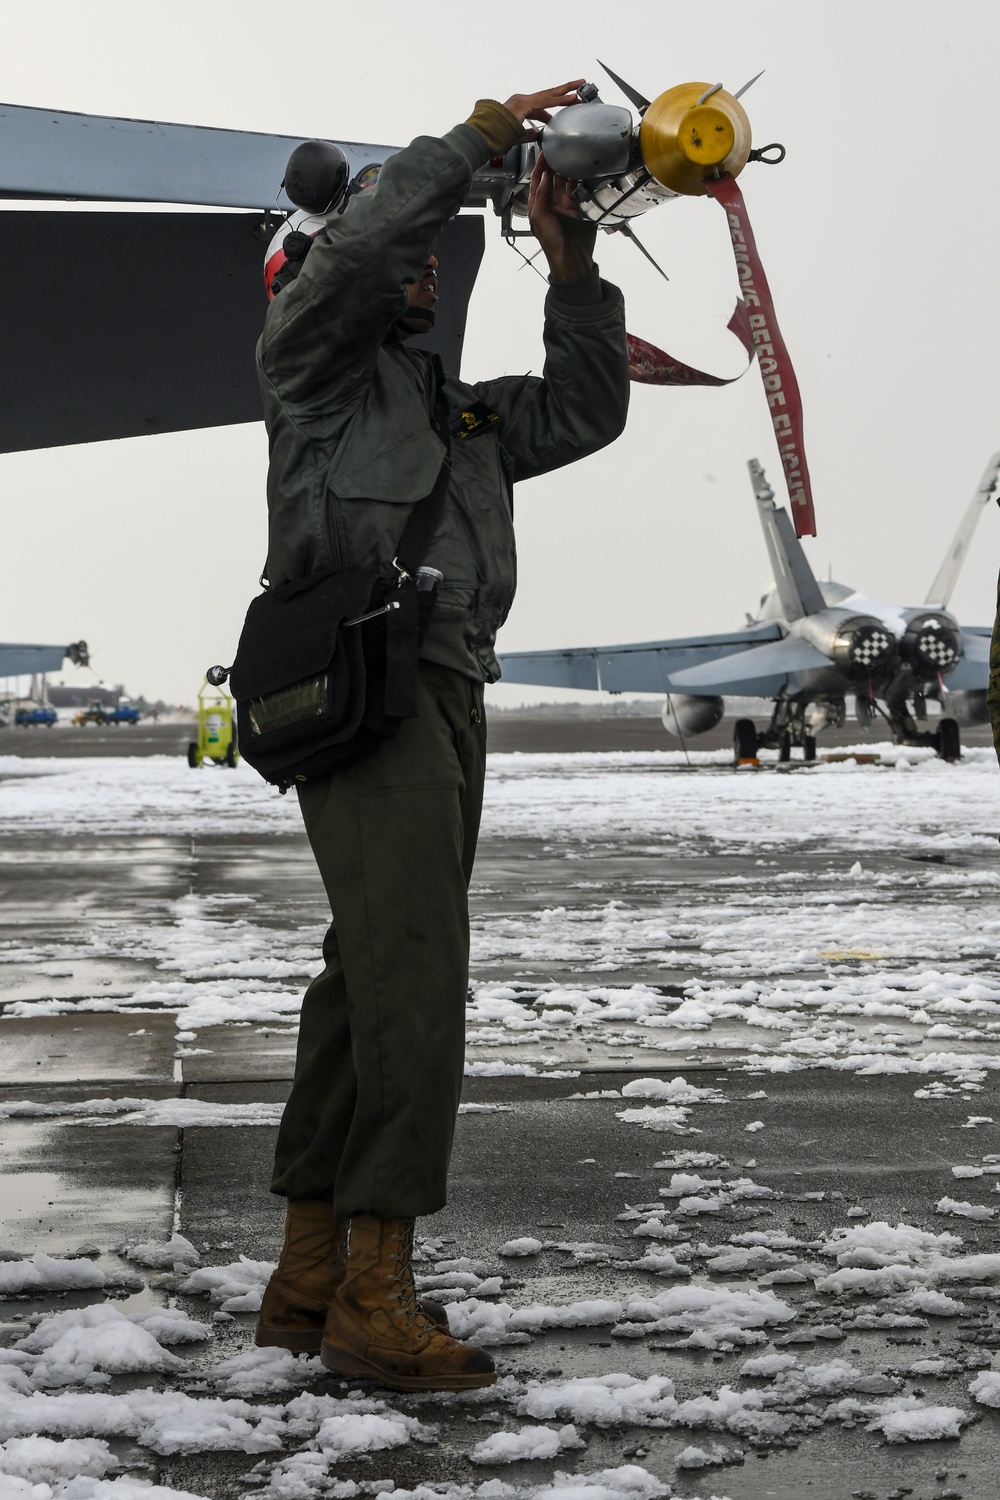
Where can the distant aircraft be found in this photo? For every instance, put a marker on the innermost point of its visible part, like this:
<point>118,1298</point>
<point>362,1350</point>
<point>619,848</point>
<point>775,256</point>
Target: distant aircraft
<point>810,646</point>
<point>28,661</point>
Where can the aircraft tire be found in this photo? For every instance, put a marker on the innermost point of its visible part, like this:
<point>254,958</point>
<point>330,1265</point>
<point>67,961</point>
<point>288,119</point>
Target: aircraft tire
<point>745,741</point>
<point>809,747</point>
<point>949,740</point>
<point>785,747</point>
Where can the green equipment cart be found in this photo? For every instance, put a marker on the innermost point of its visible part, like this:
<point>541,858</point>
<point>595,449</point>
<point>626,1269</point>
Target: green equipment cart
<point>216,740</point>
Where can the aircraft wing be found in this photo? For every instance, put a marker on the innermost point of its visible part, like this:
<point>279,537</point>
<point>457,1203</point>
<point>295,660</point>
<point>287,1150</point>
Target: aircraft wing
<point>129,323</point>
<point>21,661</point>
<point>56,153</point>
<point>760,672</point>
<point>972,672</point>
<point>647,667</point>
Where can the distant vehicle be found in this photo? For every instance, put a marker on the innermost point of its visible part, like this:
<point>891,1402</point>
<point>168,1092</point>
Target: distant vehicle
<point>92,714</point>
<point>809,647</point>
<point>122,713</point>
<point>35,713</point>
<point>102,713</point>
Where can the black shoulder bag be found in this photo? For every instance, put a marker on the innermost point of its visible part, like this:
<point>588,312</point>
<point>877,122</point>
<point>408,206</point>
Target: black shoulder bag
<point>326,667</point>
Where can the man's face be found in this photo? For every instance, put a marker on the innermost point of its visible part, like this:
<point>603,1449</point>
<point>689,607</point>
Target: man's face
<point>424,291</point>
<point>423,294</point>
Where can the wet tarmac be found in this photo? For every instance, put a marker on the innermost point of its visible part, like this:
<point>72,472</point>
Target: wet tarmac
<point>547,1164</point>
<point>508,731</point>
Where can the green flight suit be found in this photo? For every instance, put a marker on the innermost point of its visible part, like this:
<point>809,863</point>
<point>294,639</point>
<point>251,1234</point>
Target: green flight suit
<point>370,1118</point>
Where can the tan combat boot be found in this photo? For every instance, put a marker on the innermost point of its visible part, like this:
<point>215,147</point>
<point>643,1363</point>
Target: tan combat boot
<point>308,1273</point>
<point>309,1270</point>
<point>376,1329</point>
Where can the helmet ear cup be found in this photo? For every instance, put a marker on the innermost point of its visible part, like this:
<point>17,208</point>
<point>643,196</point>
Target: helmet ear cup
<point>286,253</point>
<point>316,176</point>
<point>296,246</point>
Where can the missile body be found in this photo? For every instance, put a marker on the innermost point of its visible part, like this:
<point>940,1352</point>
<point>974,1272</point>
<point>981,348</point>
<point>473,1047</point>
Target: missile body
<point>685,138</point>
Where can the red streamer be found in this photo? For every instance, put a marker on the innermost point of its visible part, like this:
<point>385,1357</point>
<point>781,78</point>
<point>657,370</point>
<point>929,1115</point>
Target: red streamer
<point>780,385</point>
<point>648,365</point>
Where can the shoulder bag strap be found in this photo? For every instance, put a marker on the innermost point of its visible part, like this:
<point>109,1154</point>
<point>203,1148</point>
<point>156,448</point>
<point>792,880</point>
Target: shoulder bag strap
<point>425,516</point>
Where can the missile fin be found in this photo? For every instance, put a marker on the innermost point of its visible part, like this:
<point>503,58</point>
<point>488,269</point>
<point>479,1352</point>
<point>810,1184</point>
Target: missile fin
<point>630,234</point>
<point>740,92</point>
<point>637,99</point>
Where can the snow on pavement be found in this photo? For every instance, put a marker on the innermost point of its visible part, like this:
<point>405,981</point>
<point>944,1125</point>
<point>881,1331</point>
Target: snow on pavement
<point>888,970</point>
<point>848,967</point>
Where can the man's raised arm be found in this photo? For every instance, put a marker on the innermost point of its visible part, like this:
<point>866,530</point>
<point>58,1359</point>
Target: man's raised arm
<point>328,324</point>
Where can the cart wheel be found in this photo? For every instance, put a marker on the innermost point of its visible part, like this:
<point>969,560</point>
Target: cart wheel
<point>809,747</point>
<point>744,741</point>
<point>232,754</point>
<point>194,756</point>
<point>949,740</point>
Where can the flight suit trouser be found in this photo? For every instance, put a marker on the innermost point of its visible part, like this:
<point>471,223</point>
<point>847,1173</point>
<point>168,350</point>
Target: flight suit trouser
<point>378,1072</point>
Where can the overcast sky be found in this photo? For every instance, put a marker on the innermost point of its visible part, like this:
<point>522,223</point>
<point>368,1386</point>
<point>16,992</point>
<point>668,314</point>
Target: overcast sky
<point>879,235</point>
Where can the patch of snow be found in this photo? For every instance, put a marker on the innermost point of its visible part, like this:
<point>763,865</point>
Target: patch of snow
<point>526,1443</point>
<point>42,1274</point>
<point>238,1287</point>
<point>88,1345</point>
<point>177,1254</point>
<point>345,1435</point>
<point>671,1091</point>
<point>521,1247</point>
<point>926,1424</point>
<point>703,1458</point>
<point>986,1388</point>
<point>963,1210</point>
<point>46,1461</point>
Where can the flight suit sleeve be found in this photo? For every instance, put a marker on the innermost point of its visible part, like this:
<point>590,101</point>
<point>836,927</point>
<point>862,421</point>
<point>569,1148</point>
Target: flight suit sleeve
<point>580,401</point>
<point>993,689</point>
<point>323,331</point>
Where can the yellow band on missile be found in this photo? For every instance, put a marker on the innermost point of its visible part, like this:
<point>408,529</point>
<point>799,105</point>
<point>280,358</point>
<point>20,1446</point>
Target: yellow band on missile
<point>684,143</point>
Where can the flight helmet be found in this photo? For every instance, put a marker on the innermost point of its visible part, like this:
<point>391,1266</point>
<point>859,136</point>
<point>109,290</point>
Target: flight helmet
<point>316,180</point>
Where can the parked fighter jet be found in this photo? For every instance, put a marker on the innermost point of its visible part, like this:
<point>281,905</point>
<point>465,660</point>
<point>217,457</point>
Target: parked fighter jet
<point>810,646</point>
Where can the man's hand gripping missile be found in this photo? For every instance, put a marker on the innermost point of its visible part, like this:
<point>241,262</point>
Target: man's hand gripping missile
<point>567,239</point>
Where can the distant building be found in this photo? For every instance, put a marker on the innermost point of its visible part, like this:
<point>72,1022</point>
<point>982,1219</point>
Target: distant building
<point>79,697</point>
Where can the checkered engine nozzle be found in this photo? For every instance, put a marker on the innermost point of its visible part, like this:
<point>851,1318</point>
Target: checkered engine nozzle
<point>865,649</point>
<point>931,645</point>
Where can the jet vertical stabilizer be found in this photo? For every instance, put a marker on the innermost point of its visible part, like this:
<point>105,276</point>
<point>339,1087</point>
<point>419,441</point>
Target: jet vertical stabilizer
<point>794,580</point>
<point>947,576</point>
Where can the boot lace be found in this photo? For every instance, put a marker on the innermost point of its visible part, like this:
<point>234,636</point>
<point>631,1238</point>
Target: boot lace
<point>403,1290</point>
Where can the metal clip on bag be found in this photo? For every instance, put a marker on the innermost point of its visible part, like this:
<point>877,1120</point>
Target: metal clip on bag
<point>326,667</point>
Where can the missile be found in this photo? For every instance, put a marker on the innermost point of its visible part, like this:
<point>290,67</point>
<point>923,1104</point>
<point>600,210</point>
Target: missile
<point>683,140</point>
<point>694,140</point>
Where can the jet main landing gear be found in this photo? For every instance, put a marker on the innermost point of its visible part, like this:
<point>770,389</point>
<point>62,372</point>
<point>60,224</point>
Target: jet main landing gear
<point>786,730</point>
